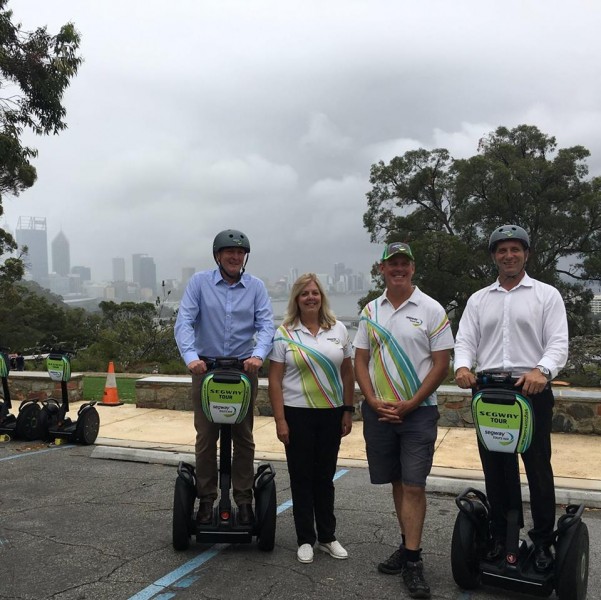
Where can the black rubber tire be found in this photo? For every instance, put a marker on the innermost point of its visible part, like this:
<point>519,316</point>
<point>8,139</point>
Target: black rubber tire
<point>267,508</point>
<point>183,508</point>
<point>88,425</point>
<point>48,418</point>
<point>28,425</point>
<point>572,575</point>
<point>464,553</point>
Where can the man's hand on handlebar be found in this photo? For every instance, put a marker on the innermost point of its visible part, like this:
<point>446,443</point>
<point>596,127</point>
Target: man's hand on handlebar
<point>465,379</point>
<point>197,367</point>
<point>533,382</point>
<point>252,365</point>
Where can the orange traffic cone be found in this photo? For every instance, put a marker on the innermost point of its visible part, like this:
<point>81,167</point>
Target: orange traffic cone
<point>110,396</point>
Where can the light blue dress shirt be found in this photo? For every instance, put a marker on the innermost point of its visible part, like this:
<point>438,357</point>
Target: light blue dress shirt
<point>219,319</point>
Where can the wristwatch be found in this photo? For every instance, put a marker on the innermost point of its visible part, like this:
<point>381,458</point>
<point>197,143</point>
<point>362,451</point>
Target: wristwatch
<point>348,408</point>
<point>544,371</point>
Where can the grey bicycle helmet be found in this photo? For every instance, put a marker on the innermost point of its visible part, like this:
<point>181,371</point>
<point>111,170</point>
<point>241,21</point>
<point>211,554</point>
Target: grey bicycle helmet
<point>508,232</point>
<point>230,238</point>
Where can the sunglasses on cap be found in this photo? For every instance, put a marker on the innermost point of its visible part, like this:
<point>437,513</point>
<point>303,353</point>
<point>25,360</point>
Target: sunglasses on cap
<point>397,248</point>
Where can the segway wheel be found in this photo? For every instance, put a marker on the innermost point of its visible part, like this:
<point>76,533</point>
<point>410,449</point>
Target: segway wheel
<point>464,553</point>
<point>572,571</point>
<point>183,509</point>
<point>267,513</point>
<point>88,425</point>
<point>48,417</point>
<point>28,422</point>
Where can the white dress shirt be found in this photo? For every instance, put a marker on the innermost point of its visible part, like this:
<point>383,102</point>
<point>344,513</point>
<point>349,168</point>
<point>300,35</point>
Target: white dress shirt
<point>513,330</point>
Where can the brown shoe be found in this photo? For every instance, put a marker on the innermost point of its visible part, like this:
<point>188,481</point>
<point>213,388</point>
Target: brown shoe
<point>205,513</point>
<point>245,514</point>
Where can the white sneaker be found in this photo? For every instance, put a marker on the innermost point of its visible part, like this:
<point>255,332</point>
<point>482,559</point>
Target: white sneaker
<point>334,549</point>
<point>304,553</point>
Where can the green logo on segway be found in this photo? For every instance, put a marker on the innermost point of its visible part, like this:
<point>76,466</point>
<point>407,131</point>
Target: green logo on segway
<point>225,396</point>
<point>503,420</point>
<point>58,367</point>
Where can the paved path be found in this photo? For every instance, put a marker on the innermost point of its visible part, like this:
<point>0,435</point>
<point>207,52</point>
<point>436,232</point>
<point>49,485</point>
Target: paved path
<point>576,458</point>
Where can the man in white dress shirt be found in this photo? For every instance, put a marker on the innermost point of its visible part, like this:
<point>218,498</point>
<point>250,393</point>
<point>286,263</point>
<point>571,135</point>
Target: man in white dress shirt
<point>517,325</point>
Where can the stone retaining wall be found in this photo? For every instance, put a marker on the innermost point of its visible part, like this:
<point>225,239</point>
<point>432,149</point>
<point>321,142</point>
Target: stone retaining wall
<point>37,385</point>
<point>576,410</point>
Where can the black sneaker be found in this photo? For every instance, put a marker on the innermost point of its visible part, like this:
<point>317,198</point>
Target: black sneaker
<point>393,565</point>
<point>413,576</point>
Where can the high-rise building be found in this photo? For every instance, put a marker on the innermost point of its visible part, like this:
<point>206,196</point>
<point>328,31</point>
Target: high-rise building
<point>135,267</point>
<point>61,258</point>
<point>31,232</point>
<point>118,269</point>
<point>148,274</point>
<point>292,277</point>
<point>85,273</point>
<point>187,272</point>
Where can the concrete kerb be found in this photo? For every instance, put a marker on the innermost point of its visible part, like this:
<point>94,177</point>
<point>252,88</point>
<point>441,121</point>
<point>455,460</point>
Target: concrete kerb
<point>441,480</point>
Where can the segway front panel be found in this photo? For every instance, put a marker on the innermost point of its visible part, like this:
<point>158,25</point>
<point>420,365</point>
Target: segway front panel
<point>503,420</point>
<point>225,396</point>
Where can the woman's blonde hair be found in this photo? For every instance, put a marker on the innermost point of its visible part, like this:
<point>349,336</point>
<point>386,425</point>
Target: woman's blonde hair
<point>326,316</point>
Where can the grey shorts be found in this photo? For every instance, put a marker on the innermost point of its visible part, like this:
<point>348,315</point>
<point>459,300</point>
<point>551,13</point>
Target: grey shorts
<point>400,452</point>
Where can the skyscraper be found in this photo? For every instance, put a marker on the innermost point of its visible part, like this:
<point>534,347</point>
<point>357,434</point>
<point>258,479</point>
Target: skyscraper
<point>85,273</point>
<point>187,272</point>
<point>135,267</point>
<point>118,269</point>
<point>31,232</point>
<point>61,258</point>
<point>148,274</point>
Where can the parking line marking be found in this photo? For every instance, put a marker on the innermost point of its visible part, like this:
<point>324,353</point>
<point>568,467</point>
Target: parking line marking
<point>34,452</point>
<point>180,577</point>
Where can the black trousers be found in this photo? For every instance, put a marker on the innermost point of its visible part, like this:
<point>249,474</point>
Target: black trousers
<point>502,477</point>
<point>312,453</point>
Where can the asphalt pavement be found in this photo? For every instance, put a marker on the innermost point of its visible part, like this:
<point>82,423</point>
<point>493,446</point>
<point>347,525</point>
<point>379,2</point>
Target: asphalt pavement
<point>93,523</point>
<point>73,527</point>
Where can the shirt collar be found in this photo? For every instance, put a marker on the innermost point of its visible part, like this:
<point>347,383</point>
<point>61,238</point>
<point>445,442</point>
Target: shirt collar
<point>218,279</point>
<point>526,281</point>
<point>414,298</point>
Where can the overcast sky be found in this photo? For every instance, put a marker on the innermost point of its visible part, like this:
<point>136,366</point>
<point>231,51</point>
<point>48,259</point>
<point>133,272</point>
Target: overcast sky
<point>189,116</point>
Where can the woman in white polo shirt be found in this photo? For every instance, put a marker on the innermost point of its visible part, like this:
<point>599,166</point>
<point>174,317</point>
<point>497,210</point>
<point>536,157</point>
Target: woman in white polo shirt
<point>311,388</point>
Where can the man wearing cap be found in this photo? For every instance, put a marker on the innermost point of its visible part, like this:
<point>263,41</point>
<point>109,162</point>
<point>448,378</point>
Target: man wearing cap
<point>224,312</point>
<point>402,351</point>
<point>517,325</point>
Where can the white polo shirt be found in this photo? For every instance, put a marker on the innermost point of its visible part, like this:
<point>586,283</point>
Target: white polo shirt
<point>513,330</point>
<point>311,364</point>
<point>401,342</point>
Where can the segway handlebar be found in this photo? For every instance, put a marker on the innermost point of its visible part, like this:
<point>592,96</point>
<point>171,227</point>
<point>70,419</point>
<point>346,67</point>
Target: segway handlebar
<point>223,362</point>
<point>496,379</point>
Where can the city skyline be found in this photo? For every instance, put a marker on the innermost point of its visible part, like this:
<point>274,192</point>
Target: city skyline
<point>144,280</point>
<point>275,134</point>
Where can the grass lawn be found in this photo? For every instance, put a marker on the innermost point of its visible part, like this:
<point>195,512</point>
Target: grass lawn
<point>93,388</point>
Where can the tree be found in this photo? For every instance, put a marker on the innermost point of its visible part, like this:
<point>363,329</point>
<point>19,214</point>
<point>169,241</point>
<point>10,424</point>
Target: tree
<point>446,209</point>
<point>32,318</point>
<point>133,335</point>
<point>35,70</point>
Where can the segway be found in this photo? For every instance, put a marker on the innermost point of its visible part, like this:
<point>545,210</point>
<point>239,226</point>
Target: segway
<point>26,424</point>
<point>54,421</point>
<point>225,399</point>
<point>504,423</point>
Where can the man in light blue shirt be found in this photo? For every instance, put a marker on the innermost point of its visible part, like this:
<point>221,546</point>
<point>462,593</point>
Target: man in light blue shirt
<point>224,312</point>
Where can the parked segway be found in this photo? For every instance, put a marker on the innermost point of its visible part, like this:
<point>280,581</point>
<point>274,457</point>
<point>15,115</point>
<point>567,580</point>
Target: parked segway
<point>54,421</point>
<point>504,423</point>
<point>26,424</point>
<point>225,399</point>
